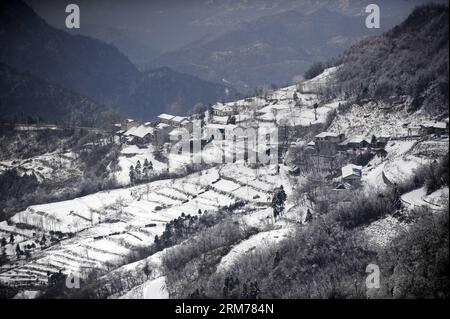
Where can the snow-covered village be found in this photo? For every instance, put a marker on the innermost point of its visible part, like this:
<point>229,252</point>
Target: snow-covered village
<point>288,191</point>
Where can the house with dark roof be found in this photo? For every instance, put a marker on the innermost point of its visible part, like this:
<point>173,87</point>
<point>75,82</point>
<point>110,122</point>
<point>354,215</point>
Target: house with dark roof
<point>326,143</point>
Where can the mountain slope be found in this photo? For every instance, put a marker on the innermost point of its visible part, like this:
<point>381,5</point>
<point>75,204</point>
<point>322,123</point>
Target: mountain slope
<point>89,67</point>
<point>139,52</point>
<point>24,97</point>
<point>411,59</point>
<point>82,64</point>
<point>173,92</point>
<point>271,49</point>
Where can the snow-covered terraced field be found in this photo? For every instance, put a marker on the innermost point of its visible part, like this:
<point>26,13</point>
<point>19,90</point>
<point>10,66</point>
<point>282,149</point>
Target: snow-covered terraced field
<point>107,226</point>
<point>130,155</point>
<point>403,157</point>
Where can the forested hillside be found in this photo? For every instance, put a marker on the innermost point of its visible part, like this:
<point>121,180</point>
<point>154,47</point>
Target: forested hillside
<point>27,99</point>
<point>411,59</point>
<point>94,69</point>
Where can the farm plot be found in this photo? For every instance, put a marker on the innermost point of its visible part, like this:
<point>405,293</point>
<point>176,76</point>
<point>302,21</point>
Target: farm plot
<point>106,227</point>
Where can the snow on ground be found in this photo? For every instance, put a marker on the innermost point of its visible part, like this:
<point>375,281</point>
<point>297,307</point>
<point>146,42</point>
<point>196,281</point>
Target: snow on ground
<point>129,155</point>
<point>438,198</point>
<point>152,289</point>
<point>260,240</point>
<point>320,81</point>
<point>27,294</point>
<point>51,166</point>
<point>107,226</point>
<point>381,232</point>
<point>419,198</point>
<point>367,120</point>
<point>398,165</point>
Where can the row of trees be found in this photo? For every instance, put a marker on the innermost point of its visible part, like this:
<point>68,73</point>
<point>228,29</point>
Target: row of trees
<point>140,172</point>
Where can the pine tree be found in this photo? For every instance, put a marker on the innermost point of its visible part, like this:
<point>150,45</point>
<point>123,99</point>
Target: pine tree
<point>18,251</point>
<point>150,166</point>
<point>3,243</point>
<point>278,202</point>
<point>145,171</point>
<point>11,239</point>
<point>138,170</point>
<point>147,271</point>
<point>132,174</point>
<point>157,242</point>
<point>308,217</point>
<point>145,168</point>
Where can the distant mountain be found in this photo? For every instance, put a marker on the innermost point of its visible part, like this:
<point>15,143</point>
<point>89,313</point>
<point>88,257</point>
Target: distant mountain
<point>272,49</point>
<point>168,25</point>
<point>411,59</point>
<point>173,92</point>
<point>92,68</point>
<point>139,52</point>
<point>26,98</point>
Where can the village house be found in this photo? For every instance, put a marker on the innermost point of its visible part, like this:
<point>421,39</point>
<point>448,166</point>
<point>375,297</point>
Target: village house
<point>139,135</point>
<point>351,175</point>
<point>222,110</point>
<point>220,120</point>
<point>438,128</point>
<point>179,121</point>
<point>379,141</point>
<point>165,118</point>
<point>355,143</point>
<point>174,121</point>
<point>326,143</point>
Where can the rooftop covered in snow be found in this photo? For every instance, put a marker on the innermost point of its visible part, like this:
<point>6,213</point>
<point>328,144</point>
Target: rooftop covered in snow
<point>351,170</point>
<point>139,131</point>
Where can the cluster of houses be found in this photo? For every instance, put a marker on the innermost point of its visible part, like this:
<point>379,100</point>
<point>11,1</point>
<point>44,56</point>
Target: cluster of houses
<point>329,143</point>
<point>135,133</point>
<point>168,129</point>
<point>434,128</point>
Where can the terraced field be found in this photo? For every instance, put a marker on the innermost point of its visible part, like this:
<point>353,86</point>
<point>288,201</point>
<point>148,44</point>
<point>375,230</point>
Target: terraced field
<point>100,230</point>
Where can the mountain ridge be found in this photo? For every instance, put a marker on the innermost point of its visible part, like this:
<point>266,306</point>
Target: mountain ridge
<point>251,53</point>
<point>90,67</point>
<point>24,97</point>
